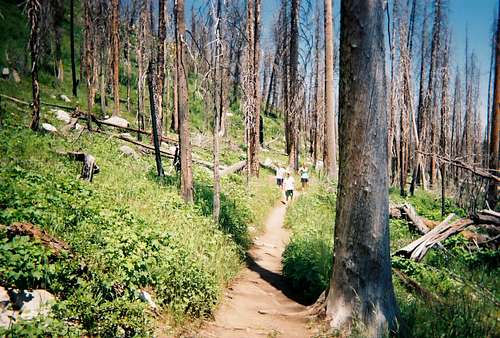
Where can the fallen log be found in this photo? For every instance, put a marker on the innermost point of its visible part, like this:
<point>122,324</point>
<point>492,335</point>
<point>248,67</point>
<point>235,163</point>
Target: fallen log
<point>233,168</point>
<point>55,105</point>
<point>411,215</point>
<point>417,249</point>
<point>487,217</point>
<point>163,152</point>
<point>412,286</point>
<point>27,229</point>
<point>89,168</point>
<point>478,171</point>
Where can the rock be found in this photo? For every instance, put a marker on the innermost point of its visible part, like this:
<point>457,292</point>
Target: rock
<point>15,76</point>
<point>126,135</point>
<point>7,318</point>
<point>5,72</point>
<point>34,303</point>
<point>127,151</point>
<point>49,128</point>
<point>61,115</point>
<point>268,162</point>
<point>117,121</point>
<point>4,298</point>
<point>146,297</point>
<point>78,126</point>
<point>64,98</point>
<point>53,96</point>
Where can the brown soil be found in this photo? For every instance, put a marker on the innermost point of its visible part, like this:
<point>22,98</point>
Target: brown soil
<point>260,303</point>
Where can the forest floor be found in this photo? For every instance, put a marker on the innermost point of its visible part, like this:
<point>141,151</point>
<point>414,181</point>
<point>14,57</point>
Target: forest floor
<point>260,302</point>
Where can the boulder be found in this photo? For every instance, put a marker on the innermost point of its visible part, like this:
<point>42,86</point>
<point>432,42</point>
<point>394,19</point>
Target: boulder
<point>5,72</point>
<point>64,98</point>
<point>34,303</point>
<point>7,318</point>
<point>117,121</point>
<point>146,297</point>
<point>4,298</point>
<point>49,128</point>
<point>61,115</point>
<point>127,151</point>
<point>15,76</point>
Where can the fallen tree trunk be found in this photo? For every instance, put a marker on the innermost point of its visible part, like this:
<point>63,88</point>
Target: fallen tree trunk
<point>89,168</point>
<point>55,105</point>
<point>411,215</point>
<point>233,168</point>
<point>487,217</point>
<point>162,151</point>
<point>419,248</point>
<point>27,229</point>
<point>481,172</point>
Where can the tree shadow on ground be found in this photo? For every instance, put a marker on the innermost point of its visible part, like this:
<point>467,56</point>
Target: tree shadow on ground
<point>277,281</point>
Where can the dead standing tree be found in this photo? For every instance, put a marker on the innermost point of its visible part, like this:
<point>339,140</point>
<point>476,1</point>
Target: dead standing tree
<point>251,86</point>
<point>495,125</point>
<point>115,53</point>
<point>361,285</point>
<point>90,65</point>
<point>182,102</point>
<point>33,9</point>
<point>330,149</point>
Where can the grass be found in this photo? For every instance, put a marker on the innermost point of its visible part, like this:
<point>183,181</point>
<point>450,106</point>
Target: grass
<point>465,283</point>
<point>128,231</point>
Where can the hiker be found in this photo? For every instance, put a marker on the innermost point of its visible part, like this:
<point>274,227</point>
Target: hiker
<point>304,176</point>
<point>280,172</point>
<point>289,185</point>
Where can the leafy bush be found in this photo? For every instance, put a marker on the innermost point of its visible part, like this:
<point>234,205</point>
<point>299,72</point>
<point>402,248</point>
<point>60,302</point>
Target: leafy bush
<point>307,259</point>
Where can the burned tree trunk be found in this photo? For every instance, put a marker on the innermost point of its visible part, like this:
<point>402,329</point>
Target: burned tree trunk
<point>182,103</point>
<point>153,92</point>
<point>495,126</point>
<point>72,46</point>
<point>58,7</point>
<point>252,88</point>
<point>361,285</point>
<point>34,19</point>
<point>330,151</point>
<point>115,52</point>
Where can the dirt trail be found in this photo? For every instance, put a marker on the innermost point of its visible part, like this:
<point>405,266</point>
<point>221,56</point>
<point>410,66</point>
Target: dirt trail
<point>254,306</point>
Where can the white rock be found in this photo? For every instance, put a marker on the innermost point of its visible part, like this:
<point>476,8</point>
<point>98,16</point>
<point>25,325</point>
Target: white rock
<point>126,135</point>
<point>146,297</point>
<point>268,162</point>
<point>78,126</point>
<point>117,121</point>
<point>7,318</point>
<point>4,298</point>
<point>49,128</point>
<point>5,72</point>
<point>15,76</point>
<point>61,115</point>
<point>127,151</point>
<point>64,98</point>
<point>34,303</point>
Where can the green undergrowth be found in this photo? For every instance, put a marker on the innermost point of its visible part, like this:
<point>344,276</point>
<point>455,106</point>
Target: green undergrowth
<point>127,231</point>
<point>463,283</point>
<point>307,258</point>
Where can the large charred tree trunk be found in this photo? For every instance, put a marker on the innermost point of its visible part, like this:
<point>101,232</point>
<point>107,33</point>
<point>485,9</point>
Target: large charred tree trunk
<point>182,102</point>
<point>89,57</point>
<point>361,285</point>
<point>495,125</point>
<point>34,19</point>
<point>330,151</point>
<point>115,52</point>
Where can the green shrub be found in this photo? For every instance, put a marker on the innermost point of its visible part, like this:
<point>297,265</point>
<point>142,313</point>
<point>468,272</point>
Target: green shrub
<point>307,259</point>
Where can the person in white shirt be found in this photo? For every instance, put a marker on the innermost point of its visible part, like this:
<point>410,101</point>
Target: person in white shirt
<point>289,186</point>
<point>280,172</point>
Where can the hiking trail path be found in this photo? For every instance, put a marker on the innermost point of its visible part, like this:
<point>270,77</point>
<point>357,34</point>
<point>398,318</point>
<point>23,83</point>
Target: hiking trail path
<point>260,303</point>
